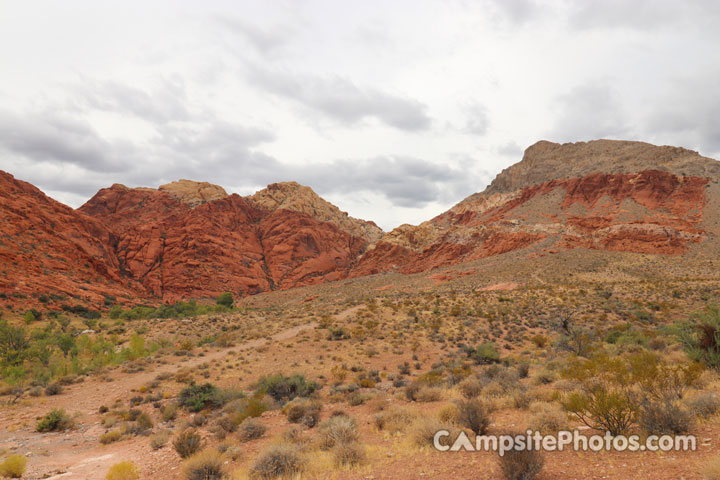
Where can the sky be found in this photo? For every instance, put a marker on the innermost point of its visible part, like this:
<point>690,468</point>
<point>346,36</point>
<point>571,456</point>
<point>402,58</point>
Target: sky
<point>392,110</point>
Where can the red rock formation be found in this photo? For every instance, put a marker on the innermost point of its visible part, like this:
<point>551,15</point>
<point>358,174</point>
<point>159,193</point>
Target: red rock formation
<point>228,244</point>
<point>47,248</point>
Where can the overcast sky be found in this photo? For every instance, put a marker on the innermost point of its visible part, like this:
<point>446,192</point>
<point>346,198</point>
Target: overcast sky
<point>392,110</point>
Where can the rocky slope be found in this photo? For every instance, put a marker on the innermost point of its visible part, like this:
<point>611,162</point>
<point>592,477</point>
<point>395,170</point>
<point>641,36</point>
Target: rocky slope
<point>607,195</point>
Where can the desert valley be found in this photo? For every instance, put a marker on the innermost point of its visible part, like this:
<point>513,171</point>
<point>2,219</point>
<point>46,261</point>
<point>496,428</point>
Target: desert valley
<point>187,333</point>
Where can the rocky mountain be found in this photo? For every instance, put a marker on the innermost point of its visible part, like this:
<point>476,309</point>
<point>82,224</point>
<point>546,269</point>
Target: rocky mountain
<point>190,239</point>
<point>604,195</point>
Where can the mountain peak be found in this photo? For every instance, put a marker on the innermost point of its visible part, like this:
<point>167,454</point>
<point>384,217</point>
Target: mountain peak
<point>545,161</point>
<point>303,199</point>
<point>193,193</point>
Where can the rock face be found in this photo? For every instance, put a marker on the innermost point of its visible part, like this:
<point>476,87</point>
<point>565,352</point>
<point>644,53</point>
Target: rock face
<point>231,244</point>
<point>48,248</point>
<point>610,195</point>
<point>189,239</point>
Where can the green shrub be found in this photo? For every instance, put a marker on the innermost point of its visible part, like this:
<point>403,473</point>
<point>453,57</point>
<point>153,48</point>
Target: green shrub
<point>123,471</point>
<point>187,443</point>
<point>198,397</point>
<point>278,461</point>
<point>226,300</point>
<point>13,466</point>
<point>485,353</point>
<point>56,420</point>
<point>283,388</point>
<point>701,337</point>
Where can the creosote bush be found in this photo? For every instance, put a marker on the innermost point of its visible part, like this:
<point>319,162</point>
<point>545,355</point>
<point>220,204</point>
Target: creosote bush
<point>56,420</point>
<point>283,388</point>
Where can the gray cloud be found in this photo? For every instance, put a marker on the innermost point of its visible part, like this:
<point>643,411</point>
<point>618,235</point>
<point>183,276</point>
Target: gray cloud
<point>405,181</point>
<point>265,40</point>
<point>54,136</point>
<point>477,120</point>
<point>342,100</point>
<point>643,14</point>
<point>165,103</point>
<point>688,115</point>
<point>589,112</point>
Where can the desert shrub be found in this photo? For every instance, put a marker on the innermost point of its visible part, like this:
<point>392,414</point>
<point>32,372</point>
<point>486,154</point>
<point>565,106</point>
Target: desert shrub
<point>349,454</point>
<point>159,440</point>
<point>56,420</point>
<point>701,337</point>
<point>278,461</point>
<point>53,389</point>
<point>428,394</point>
<point>411,391</point>
<point>226,424</point>
<point>283,388</point>
<point>523,370</point>
<point>521,464</point>
<point>123,471</point>
<point>485,353</point>
<point>448,413</point>
<point>422,432</point>
<point>225,300</point>
<point>187,443</point>
<point>169,412</point>
<point>547,418</point>
<point>206,465</point>
<point>470,387</point>
<point>394,419</point>
<point>251,429</point>
<point>664,417</point>
<point>473,414</point>
<point>111,437</point>
<point>540,341</point>
<point>13,466</point>
<point>704,404</point>
<point>303,410</point>
<point>144,422</point>
<point>294,435</point>
<point>609,396</point>
<point>337,430</point>
<point>199,397</point>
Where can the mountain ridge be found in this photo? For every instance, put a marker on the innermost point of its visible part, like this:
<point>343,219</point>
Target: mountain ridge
<point>192,239</point>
